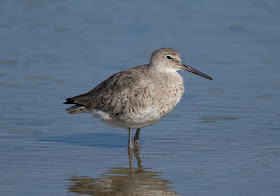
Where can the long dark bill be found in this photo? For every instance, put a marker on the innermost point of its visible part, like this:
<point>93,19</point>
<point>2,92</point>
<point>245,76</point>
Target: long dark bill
<point>193,70</point>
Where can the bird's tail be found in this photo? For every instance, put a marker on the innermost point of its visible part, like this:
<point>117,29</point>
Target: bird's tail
<point>80,104</point>
<point>76,109</point>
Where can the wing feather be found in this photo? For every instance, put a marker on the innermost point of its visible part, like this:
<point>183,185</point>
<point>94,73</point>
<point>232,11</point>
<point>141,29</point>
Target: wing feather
<point>116,95</point>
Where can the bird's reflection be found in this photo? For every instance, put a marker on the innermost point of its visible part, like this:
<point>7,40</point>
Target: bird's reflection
<point>120,181</point>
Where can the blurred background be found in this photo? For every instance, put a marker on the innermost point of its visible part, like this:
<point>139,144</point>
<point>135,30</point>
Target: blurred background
<point>222,139</point>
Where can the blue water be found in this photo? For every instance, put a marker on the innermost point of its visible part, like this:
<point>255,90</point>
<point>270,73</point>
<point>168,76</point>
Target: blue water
<point>222,139</point>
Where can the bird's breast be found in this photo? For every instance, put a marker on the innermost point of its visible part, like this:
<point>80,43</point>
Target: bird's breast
<point>168,92</point>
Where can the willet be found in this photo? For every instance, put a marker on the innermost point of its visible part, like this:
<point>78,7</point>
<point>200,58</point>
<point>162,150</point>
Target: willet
<point>139,96</point>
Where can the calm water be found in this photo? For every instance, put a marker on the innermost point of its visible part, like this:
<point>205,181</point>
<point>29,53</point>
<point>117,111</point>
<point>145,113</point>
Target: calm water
<point>222,139</point>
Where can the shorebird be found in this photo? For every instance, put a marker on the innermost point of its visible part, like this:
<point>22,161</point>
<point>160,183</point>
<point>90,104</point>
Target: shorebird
<point>139,96</point>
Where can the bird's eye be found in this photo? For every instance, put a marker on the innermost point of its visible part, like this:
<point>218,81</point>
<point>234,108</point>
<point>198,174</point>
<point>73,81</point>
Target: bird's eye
<point>168,57</point>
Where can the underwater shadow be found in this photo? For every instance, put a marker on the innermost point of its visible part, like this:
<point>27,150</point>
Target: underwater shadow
<point>123,181</point>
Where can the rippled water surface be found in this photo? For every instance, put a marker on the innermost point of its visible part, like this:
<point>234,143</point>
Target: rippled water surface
<point>222,139</point>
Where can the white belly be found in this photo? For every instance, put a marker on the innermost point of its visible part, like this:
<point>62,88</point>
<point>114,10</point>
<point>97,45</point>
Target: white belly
<point>131,120</point>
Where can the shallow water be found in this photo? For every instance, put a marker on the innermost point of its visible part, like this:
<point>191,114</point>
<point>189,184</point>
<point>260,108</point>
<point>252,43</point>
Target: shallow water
<point>222,139</point>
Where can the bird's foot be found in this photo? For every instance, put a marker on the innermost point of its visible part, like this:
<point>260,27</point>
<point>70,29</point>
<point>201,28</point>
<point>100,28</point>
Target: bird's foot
<point>130,146</point>
<point>137,144</point>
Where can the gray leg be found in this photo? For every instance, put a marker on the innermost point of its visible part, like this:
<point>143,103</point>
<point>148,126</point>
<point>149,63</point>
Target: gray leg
<point>136,152</point>
<point>130,152</point>
<point>137,156</point>
<point>130,146</point>
<point>136,139</point>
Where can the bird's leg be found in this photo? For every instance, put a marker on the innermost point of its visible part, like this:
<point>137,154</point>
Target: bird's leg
<point>130,146</point>
<point>130,152</point>
<point>136,139</point>
<point>136,152</point>
<point>137,156</point>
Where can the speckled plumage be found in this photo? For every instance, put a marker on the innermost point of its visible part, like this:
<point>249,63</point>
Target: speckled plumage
<point>139,96</point>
